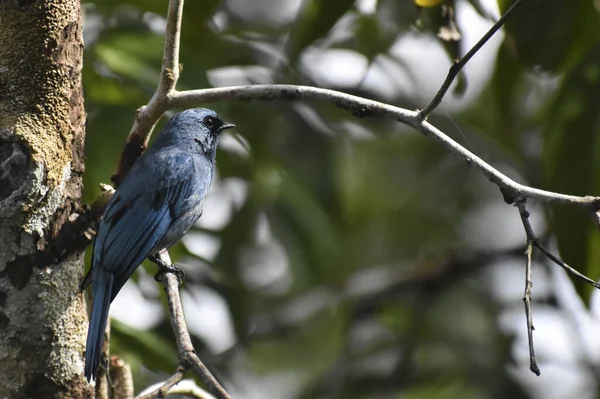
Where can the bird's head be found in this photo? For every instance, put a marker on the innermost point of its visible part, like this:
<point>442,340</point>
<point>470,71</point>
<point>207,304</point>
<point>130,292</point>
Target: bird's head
<point>195,127</point>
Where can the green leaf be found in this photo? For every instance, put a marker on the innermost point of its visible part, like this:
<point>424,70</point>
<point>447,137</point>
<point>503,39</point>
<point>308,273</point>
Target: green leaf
<point>571,160</point>
<point>480,8</point>
<point>371,39</point>
<point>552,34</point>
<point>316,19</point>
<point>309,349</point>
<point>136,56</point>
<point>157,353</point>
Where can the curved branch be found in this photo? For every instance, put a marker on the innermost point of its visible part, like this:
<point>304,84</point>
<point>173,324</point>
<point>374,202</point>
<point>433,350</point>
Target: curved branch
<point>166,97</point>
<point>362,107</point>
<point>187,388</point>
<point>188,359</point>
<point>460,64</point>
<point>147,116</point>
<point>359,107</point>
<point>163,389</point>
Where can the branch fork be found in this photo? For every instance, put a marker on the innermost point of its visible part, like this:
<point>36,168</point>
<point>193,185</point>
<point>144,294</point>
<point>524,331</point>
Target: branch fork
<point>188,359</point>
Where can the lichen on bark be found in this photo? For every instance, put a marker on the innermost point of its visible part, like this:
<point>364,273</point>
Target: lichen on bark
<point>42,314</point>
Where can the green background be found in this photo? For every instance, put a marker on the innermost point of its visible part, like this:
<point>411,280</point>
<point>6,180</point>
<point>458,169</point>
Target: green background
<point>357,258</point>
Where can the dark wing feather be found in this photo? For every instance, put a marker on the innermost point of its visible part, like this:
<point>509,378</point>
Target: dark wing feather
<point>137,219</point>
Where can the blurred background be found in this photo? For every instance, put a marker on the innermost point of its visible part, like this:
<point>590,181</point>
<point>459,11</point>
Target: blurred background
<point>354,258</point>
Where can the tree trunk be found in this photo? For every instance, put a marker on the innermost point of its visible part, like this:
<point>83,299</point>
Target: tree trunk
<point>42,315</point>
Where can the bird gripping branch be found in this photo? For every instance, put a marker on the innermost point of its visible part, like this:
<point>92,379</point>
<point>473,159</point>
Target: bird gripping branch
<point>159,200</point>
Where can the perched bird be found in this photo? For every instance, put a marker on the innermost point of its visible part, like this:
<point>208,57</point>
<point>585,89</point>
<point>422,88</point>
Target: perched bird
<point>157,203</point>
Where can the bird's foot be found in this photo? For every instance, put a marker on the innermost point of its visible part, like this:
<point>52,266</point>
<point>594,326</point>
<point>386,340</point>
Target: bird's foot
<point>103,368</point>
<point>164,267</point>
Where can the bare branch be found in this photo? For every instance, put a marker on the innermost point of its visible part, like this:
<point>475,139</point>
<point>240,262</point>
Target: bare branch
<point>147,116</point>
<point>562,264</point>
<point>166,97</point>
<point>188,359</point>
<point>192,392</point>
<point>460,64</point>
<point>162,390</point>
<point>536,243</point>
<point>528,314</point>
<point>186,388</point>
<point>170,63</point>
<point>531,238</point>
<point>533,241</point>
<point>528,286</point>
<point>362,107</point>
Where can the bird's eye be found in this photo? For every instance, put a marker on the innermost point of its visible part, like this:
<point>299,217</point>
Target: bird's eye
<point>210,121</point>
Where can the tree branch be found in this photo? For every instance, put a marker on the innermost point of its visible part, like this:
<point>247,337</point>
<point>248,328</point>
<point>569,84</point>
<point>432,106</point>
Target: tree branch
<point>170,63</point>
<point>533,241</point>
<point>528,285</point>
<point>460,64</point>
<point>188,359</point>
<point>186,388</point>
<point>536,243</point>
<point>162,390</point>
<point>166,97</point>
<point>147,116</point>
<point>362,107</point>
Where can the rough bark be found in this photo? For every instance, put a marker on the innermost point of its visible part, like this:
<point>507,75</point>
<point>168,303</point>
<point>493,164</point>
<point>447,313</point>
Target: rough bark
<point>42,315</point>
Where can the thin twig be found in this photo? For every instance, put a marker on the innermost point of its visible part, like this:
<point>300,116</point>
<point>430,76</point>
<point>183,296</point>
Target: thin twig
<point>528,313</point>
<point>188,358</point>
<point>167,97</point>
<point>531,239</point>
<point>164,389</point>
<point>186,388</point>
<point>203,372</point>
<point>192,392</point>
<point>459,64</point>
<point>170,63</point>
<point>536,243</point>
<point>362,107</point>
<point>147,116</point>
<point>562,264</point>
<point>527,300</point>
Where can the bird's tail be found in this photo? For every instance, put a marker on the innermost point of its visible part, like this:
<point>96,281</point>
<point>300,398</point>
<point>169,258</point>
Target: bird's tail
<point>102,292</point>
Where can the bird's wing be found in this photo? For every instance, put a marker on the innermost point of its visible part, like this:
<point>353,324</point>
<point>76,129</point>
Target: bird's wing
<point>138,217</point>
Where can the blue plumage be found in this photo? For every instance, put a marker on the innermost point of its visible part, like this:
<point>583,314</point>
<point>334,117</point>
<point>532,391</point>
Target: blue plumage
<point>157,203</point>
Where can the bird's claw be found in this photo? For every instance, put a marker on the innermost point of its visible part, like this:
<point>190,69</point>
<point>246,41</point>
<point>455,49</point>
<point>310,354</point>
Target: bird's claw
<point>164,267</point>
<point>170,269</point>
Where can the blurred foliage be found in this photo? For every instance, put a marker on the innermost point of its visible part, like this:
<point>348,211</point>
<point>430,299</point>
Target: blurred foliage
<point>344,263</point>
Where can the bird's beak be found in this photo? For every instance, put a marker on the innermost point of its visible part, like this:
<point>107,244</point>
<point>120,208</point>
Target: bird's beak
<point>225,126</point>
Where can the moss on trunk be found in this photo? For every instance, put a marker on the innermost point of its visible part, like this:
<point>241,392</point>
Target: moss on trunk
<point>42,119</point>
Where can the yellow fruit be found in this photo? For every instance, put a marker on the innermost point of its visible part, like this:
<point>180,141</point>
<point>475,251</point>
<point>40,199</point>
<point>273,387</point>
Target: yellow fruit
<point>428,3</point>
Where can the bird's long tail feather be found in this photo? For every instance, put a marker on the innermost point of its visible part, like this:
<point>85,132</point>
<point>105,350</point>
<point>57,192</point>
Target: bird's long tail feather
<point>102,284</point>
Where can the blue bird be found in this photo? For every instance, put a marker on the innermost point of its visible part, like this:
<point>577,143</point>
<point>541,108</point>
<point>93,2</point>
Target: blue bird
<point>159,200</point>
